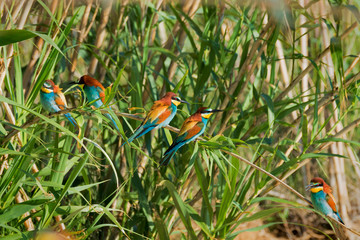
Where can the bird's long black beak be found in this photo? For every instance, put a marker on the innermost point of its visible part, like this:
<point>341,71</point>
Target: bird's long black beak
<point>183,101</point>
<point>216,110</point>
<point>308,187</point>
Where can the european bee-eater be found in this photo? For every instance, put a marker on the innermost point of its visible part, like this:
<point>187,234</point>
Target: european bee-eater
<point>53,100</point>
<point>160,115</point>
<point>95,94</point>
<point>322,198</point>
<point>192,128</point>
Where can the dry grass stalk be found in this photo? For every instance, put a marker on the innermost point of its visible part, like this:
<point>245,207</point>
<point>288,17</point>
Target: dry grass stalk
<point>353,159</point>
<point>58,219</point>
<point>189,7</point>
<point>248,76</point>
<point>278,180</point>
<point>56,32</point>
<point>343,131</point>
<point>4,163</point>
<point>327,99</point>
<point>10,53</point>
<point>28,222</point>
<point>10,49</point>
<point>353,64</point>
<point>101,33</point>
<point>304,52</point>
<point>336,164</point>
<point>240,75</point>
<point>15,14</point>
<point>284,72</point>
<point>324,101</point>
<point>2,5</point>
<point>337,167</point>
<point>36,50</point>
<point>82,35</point>
<point>311,66</point>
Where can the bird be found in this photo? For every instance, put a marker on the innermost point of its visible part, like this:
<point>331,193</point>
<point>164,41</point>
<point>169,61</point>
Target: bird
<point>322,198</point>
<point>95,94</point>
<point>160,115</point>
<point>192,128</point>
<point>53,100</point>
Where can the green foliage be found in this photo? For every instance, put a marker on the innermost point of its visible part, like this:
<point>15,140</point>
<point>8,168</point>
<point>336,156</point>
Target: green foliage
<point>218,56</point>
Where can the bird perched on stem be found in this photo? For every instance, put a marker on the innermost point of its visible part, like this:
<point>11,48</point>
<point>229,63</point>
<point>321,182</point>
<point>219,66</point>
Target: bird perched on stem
<point>322,198</point>
<point>53,100</point>
<point>160,115</point>
<point>95,94</point>
<point>192,128</point>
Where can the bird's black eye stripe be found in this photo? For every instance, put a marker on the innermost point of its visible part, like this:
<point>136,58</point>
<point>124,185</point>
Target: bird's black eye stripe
<point>47,86</point>
<point>175,98</point>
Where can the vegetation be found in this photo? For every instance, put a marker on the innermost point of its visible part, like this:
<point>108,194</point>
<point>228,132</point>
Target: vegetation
<point>285,71</point>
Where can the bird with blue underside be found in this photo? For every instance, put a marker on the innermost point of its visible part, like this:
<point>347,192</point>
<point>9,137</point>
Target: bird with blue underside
<point>160,115</point>
<point>53,100</point>
<point>323,199</point>
<point>95,94</point>
<point>192,128</point>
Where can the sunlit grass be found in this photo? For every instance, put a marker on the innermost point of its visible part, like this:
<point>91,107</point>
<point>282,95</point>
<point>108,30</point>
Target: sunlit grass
<point>252,163</point>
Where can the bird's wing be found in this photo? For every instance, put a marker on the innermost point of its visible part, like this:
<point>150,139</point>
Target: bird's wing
<point>195,130</point>
<point>164,115</point>
<point>331,201</point>
<point>60,100</point>
<point>101,92</point>
<point>187,125</point>
<point>158,111</point>
<point>157,114</point>
<point>189,129</point>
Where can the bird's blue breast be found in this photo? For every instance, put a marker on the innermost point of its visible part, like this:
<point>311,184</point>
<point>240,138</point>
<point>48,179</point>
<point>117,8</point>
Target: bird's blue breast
<point>205,121</point>
<point>173,110</point>
<point>48,102</point>
<point>93,96</point>
<point>319,201</point>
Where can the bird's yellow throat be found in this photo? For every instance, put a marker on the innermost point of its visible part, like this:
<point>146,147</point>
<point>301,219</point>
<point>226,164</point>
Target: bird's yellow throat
<point>45,90</point>
<point>316,189</point>
<point>206,115</point>
<point>175,102</point>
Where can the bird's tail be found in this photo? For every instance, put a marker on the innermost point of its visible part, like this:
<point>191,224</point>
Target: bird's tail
<point>112,120</point>
<point>168,155</point>
<point>129,140</point>
<point>135,135</point>
<point>340,220</point>
<point>71,119</point>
